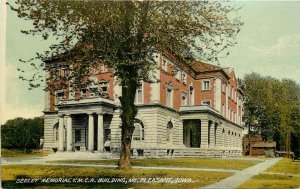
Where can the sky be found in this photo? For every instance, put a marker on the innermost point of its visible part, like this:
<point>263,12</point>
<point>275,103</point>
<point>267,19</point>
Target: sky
<point>268,44</point>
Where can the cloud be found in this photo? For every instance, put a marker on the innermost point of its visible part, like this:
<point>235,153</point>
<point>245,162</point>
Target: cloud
<point>285,45</point>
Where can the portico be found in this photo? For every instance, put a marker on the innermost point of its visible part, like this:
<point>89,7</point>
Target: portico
<point>81,126</point>
<point>204,128</point>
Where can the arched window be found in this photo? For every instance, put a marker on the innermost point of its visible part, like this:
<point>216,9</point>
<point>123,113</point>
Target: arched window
<point>55,132</point>
<point>169,131</point>
<point>138,133</point>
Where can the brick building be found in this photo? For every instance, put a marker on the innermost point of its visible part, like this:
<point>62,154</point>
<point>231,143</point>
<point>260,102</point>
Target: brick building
<point>196,111</point>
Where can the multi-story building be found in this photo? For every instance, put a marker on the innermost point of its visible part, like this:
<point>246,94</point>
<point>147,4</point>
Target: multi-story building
<point>195,111</point>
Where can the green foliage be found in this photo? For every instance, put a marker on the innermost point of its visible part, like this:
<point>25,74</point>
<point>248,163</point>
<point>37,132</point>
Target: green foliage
<point>23,134</point>
<point>272,109</point>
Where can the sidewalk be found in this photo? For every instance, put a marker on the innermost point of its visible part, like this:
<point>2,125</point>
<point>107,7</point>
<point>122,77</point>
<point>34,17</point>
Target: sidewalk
<point>240,177</point>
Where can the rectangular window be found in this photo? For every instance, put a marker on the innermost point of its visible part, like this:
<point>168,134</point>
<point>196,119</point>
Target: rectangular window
<point>164,64</point>
<point>60,95</point>
<point>232,93</point>
<point>77,135</point>
<point>65,72</point>
<point>228,112</point>
<point>183,99</point>
<point>169,101</point>
<point>183,78</point>
<point>83,93</point>
<point>94,90</point>
<point>103,88</point>
<point>206,85</point>
<point>223,87</point>
<point>223,109</point>
<point>206,102</point>
<point>139,95</point>
<point>177,74</point>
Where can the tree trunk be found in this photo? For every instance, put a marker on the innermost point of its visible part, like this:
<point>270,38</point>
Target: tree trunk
<point>128,113</point>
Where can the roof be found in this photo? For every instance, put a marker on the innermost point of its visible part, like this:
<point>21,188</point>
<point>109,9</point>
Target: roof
<point>264,144</point>
<point>199,66</point>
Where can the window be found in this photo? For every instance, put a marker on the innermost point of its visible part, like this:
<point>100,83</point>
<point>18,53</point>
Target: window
<point>164,64</point>
<point>169,131</point>
<point>223,87</point>
<point>138,133</point>
<point>83,93</point>
<point>191,95</point>
<point>228,112</point>
<point>232,93</point>
<point>183,99</point>
<point>139,95</point>
<point>77,135</point>
<point>177,74</point>
<point>65,72</point>
<point>183,78</point>
<point>94,91</point>
<point>103,88</point>
<point>55,132</point>
<point>169,101</point>
<point>223,109</point>
<point>206,102</point>
<point>60,95</point>
<point>205,85</point>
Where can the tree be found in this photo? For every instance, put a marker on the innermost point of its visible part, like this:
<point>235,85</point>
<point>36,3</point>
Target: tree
<point>22,134</point>
<point>272,109</point>
<point>125,36</point>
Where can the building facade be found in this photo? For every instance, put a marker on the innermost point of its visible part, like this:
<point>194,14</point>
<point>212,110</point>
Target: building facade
<point>195,111</point>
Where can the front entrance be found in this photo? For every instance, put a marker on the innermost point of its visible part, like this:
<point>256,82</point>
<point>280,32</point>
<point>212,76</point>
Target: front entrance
<point>192,133</point>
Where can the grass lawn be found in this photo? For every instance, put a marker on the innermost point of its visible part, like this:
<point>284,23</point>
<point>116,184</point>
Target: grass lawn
<point>286,166</point>
<point>11,172</point>
<point>21,153</point>
<point>176,162</point>
<point>266,181</point>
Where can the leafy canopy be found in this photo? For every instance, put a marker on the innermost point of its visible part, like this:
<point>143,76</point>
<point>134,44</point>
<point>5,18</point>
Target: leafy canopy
<point>127,33</point>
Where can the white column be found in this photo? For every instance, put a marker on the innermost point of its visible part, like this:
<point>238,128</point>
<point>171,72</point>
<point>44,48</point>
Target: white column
<point>61,133</point>
<point>100,133</point>
<point>212,135</point>
<point>91,133</point>
<point>204,133</point>
<point>69,133</point>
